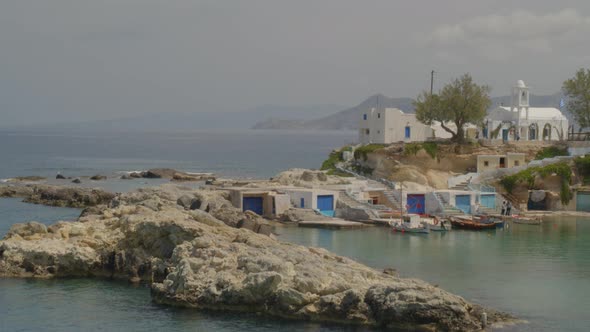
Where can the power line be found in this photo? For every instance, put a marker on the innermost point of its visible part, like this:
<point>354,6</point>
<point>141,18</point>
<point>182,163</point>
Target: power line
<point>431,81</point>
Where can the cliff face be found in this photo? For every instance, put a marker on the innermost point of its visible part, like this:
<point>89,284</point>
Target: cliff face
<point>193,258</point>
<point>414,163</point>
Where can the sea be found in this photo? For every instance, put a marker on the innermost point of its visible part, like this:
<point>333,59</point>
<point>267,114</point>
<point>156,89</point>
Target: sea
<point>540,274</point>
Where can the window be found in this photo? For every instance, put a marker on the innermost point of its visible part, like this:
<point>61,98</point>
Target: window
<point>364,117</point>
<point>367,131</point>
<point>378,131</point>
<point>407,131</point>
<point>516,163</point>
<point>379,115</point>
<point>486,163</point>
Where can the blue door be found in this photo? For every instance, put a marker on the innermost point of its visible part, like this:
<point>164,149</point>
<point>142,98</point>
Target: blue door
<point>253,204</point>
<point>463,203</point>
<point>583,201</point>
<point>505,134</point>
<point>407,133</point>
<point>326,205</point>
<point>302,203</point>
<point>488,201</point>
<point>416,204</point>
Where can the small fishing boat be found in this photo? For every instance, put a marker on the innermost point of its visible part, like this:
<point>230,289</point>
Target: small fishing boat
<point>471,224</point>
<point>526,220</point>
<point>437,224</point>
<point>410,224</point>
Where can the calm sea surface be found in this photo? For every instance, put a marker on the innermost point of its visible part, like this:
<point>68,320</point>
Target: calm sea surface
<point>541,274</point>
<point>245,153</point>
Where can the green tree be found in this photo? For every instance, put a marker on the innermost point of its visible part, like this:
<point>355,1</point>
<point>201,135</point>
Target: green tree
<point>577,89</point>
<point>460,102</point>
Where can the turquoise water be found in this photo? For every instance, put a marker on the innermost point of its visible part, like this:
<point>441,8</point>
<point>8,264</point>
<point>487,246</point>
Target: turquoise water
<point>541,274</point>
<point>99,305</point>
<point>13,210</point>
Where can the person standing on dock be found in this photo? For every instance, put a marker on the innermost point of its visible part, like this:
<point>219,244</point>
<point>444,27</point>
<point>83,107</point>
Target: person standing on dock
<point>503,207</point>
<point>508,208</point>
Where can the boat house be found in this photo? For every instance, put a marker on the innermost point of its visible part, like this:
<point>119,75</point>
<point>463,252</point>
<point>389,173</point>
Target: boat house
<point>491,162</point>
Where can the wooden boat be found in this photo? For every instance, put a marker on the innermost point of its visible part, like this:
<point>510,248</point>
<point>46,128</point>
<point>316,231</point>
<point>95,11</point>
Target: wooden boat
<point>526,220</point>
<point>464,223</point>
<point>489,219</point>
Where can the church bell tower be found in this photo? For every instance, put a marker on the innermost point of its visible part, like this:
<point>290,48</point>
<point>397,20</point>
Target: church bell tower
<point>520,100</point>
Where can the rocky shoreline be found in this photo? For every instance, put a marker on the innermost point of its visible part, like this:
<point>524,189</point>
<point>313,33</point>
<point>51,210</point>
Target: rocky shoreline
<point>197,257</point>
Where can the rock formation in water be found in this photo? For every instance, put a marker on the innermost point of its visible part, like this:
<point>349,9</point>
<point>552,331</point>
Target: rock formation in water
<point>57,195</point>
<point>194,258</point>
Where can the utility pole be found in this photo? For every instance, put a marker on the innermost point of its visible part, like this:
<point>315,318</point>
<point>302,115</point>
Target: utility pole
<point>431,81</point>
<point>431,88</point>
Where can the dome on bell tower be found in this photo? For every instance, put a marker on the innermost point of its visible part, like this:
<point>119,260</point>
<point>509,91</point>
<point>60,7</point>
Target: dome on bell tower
<point>520,84</point>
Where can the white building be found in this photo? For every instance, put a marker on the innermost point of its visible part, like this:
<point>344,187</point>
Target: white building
<point>522,122</point>
<point>389,125</point>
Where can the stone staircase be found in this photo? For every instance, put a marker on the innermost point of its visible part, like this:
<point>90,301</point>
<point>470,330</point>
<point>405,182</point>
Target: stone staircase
<point>448,209</point>
<point>393,199</point>
<point>462,186</point>
<point>370,209</point>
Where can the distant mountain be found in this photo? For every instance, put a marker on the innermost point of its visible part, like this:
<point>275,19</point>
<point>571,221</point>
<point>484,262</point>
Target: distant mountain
<point>183,121</point>
<point>348,118</point>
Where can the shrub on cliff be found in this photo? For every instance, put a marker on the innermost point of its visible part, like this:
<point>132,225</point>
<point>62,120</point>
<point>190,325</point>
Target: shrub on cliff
<point>363,151</point>
<point>551,152</point>
<point>583,167</point>
<point>528,175</point>
<point>411,149</point>
<point>334,158</point>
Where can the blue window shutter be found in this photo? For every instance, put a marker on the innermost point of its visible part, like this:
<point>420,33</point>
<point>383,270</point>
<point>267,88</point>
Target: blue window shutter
<point>408,132</point>
<point>364,117</point>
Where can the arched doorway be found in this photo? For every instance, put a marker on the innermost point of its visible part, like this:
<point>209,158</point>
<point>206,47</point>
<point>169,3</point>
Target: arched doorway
<point>533,132</point>
<point>547,132</point>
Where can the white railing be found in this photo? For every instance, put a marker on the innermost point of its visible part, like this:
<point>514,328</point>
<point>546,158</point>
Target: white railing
<point>454,181</point>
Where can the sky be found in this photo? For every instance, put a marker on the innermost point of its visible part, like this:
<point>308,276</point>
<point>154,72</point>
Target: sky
<point>75,60</point>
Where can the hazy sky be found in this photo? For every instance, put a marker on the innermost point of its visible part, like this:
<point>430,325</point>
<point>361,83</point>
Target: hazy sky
<point>74,60</point>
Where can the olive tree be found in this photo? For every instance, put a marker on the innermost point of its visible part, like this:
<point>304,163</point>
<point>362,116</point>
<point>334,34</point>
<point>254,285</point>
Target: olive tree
<point>577,91</point>
<point>460,102</point>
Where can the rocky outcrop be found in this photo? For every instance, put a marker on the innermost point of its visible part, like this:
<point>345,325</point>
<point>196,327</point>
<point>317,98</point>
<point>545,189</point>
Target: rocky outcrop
<point>171,174</point>
<point>32,178</point>
<point>307,178</point>
<point>158,173</point>
<point>193,259</point>
<point>57,195</point>
<point>296,214</point>
<point>98,177</point>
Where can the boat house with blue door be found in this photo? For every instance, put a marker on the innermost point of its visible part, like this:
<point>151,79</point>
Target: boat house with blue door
<point>271,202</point>
<point>268,203</point>
<point>316,199</point>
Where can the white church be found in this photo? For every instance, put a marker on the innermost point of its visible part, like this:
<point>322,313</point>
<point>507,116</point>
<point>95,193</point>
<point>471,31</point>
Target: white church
<point>391,125</point>
<point>525,123</point>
